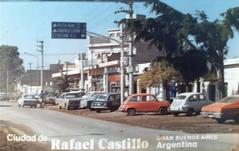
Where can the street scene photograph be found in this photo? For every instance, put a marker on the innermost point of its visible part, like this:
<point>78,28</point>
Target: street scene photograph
<point>119,75</point>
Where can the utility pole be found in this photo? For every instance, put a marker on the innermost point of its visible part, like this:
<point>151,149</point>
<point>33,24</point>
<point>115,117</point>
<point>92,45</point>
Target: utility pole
<point>40,45</point>
<point>7,81</point>
<point>81,70</point>
<point>130,66</point>
<point>30,70</point>
<point>122,65</point>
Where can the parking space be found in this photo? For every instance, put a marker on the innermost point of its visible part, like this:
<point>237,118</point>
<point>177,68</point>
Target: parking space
<point>190,124</point>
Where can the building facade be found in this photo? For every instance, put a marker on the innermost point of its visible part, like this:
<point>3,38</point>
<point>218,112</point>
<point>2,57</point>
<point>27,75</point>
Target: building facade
<point>30,82</point>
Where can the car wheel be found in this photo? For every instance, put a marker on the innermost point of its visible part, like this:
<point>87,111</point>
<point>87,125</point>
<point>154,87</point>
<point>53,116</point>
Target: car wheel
<point>190,112</point>
<point>98,110</point>
<point>131,112</point>
<point>197,113</point>
<point>220,120</point>
<point>236,119</point>
<point>19,105</point>
<point>175,114</point>
<point>163,111</point>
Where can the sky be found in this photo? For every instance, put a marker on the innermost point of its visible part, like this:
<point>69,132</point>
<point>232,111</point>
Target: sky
<point>23,23</point>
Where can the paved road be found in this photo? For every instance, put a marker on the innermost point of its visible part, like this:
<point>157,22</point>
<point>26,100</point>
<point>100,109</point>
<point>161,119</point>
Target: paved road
<point>62,127</point>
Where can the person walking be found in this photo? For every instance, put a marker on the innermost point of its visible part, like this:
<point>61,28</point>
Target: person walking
<point>41,98</point>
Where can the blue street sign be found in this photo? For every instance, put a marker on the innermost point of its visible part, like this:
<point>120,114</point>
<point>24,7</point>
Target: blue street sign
<point>68,30</point>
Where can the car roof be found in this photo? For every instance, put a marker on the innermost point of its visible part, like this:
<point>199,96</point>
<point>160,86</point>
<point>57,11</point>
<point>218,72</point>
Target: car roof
<point>71,92</point>
<point>142,94</point>
<point>236,96</point>
<point>110,93</point>
<point>189,93</point>
<point>28,94</point>
<point>95,92</point>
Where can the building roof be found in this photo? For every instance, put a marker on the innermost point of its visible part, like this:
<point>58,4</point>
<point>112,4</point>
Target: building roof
<point>231,63</point>
<point>98,40</point>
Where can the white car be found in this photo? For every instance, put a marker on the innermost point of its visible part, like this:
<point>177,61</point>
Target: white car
<point>28,100</point>
<point>69,100</point>
<point>188,103</point>
<point>88,98</point>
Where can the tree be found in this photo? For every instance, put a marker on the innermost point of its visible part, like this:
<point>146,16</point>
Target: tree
<point>10,65</point>
<point>192,65</point>
<point>183,38</point>
<point>160,72</point>
<point>171,32</point>
<point>63,83</point>
<point>213,37</point>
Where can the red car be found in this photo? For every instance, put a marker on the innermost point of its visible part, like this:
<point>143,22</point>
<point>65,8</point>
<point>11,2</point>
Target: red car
<point>144,102</point>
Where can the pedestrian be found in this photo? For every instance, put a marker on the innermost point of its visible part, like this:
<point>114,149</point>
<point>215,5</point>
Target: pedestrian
<point>41,97</point>
<point>126,93</point>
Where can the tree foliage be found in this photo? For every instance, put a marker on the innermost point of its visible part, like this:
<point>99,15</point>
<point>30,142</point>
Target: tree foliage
<point>11,63</point>
<point>63,83</point>
<point>158,73</point>
<point>188,42</point>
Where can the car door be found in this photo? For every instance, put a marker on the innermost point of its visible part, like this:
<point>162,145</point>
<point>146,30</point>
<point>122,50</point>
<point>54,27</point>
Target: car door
<point>151,104</point>
<point>194,102</point>
<point>60,99</point>
<point>117,101</point>
<point>203,101</point>
<point>135,102</point>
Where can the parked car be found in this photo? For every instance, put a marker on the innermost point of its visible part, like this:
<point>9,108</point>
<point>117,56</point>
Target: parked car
<point>88,98</point>
<point>3,97</point>
<point>188,103</point>
<point>69,100</point>
<point>28,100</point>
<point>106,101</point>
<point>50,99</point>
<point>144,102</point>
<point>225,109</point>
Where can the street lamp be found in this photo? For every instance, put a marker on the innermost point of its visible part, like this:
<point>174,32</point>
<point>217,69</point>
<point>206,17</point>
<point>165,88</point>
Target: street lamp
<point>42,61</point>
<point>33,55</point>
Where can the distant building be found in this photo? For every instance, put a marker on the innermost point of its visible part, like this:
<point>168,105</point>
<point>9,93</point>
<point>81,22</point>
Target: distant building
<point>231,71</point>
<point>30,82</point>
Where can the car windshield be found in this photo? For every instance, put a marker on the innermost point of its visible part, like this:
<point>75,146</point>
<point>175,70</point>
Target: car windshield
<point>51,95</point>
<point>102,97</point>
<point>180,97</point>
<point>90,95</point>
<point>229,99</point>
<point>29,97</point>
<point>72,95</point>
